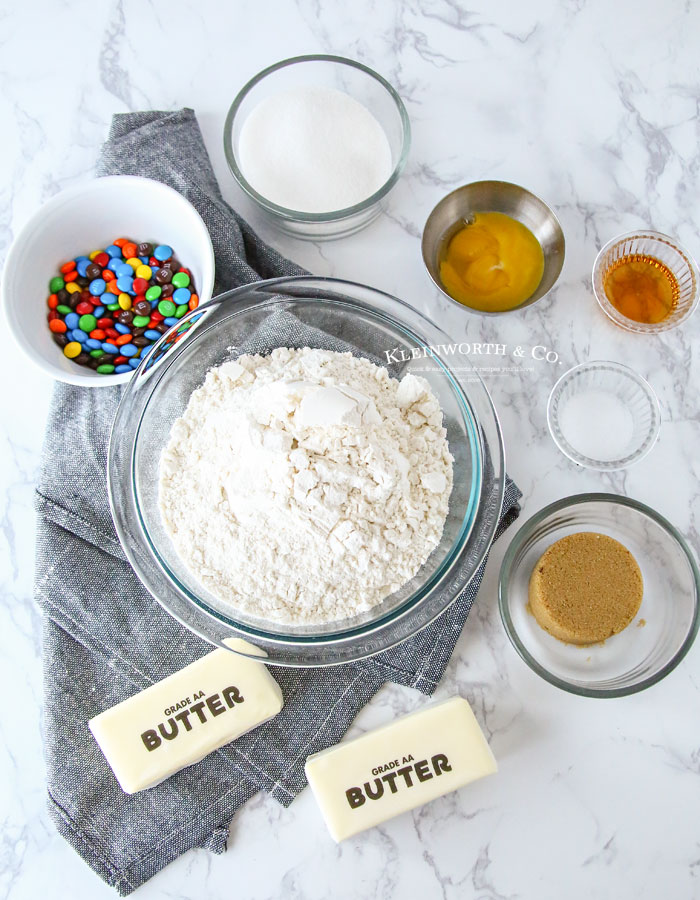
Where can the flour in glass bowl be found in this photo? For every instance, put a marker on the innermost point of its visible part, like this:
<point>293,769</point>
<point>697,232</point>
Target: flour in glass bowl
<point>306,486</point>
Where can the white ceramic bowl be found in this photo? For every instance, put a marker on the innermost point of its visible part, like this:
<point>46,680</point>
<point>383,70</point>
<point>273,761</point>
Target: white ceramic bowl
<point>77,221</point>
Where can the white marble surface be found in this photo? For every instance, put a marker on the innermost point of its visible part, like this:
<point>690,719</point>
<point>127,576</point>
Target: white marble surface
<point>593,106</point>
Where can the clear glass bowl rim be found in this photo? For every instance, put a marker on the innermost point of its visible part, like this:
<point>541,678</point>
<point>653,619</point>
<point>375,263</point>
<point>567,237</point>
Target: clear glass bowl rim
<point>523,534</point>
<point>630,324</point>
<point>280,650</point>
<point>337,214</point>
<point>587,461</point>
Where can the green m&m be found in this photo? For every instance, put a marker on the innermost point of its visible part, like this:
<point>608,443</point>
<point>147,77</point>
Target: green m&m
<point>181,279</point>
<point>87,322</point>
<point>166,308</point>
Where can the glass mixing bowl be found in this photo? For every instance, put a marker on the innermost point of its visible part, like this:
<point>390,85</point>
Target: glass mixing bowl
<point>660,634</point>
<point>321,313</point>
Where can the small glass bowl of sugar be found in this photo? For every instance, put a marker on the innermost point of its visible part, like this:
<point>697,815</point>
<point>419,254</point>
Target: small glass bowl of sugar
<point>603,415</point>
<point>317,143</point>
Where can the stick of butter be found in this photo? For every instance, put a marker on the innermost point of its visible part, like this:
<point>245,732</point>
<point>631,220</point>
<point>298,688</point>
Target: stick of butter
<point>404,764</point>
<point>181,719</point>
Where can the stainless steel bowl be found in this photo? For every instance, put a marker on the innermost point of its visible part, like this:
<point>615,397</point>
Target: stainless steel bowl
<point>494,196</point>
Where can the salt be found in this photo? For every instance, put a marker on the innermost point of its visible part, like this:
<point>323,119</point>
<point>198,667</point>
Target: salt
<point>314,150</point>
<point>597,425</point>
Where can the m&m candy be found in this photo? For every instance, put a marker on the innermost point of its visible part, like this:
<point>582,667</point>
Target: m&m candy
<point>106,308</point>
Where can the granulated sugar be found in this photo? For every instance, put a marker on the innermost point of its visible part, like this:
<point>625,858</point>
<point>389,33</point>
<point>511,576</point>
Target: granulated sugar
<point>306,486</point>
<point>314,150</point>
<point>597,425</point>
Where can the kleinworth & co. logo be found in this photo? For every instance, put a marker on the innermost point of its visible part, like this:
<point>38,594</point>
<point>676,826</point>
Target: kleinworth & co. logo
<point>495,359</point>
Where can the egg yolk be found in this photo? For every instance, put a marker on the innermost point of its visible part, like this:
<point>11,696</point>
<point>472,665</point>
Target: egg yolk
<point>494,263</point>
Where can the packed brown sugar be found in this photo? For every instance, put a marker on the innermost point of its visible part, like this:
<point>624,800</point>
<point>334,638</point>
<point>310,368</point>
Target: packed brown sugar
<point>585,588</point>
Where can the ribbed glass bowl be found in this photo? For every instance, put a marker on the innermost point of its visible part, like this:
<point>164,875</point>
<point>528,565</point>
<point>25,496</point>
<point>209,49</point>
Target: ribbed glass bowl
<point>328,314</point>
<point>661,633</point>
<point>669,253</point>
<point>606,448</point>
<point>338,73</point>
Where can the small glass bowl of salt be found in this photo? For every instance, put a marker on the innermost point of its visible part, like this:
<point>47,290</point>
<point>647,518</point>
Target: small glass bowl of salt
<point>317,142</point>
<point>603,415</point>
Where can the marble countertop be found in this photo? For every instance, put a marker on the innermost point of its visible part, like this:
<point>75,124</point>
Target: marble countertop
<point>594,107</point>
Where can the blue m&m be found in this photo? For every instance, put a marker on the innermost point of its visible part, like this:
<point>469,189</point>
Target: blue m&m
<point>163,253</point>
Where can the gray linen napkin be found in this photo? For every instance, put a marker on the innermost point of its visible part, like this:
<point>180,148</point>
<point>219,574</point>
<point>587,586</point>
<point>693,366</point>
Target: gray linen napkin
<point>105,638</point>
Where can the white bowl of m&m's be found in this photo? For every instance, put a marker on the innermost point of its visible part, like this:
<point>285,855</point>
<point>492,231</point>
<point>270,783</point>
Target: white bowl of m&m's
<point>100,273</point>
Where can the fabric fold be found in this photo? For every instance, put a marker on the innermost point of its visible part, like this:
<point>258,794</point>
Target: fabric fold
<point>106,638</point>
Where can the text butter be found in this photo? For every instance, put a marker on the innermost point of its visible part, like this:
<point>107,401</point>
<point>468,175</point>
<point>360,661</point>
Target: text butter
<point>363,782</point>
<point>178,721</point>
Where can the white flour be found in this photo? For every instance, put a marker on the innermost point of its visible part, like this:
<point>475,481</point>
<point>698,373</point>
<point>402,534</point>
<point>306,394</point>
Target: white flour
<point>314,150</point>
<point>306,486</point>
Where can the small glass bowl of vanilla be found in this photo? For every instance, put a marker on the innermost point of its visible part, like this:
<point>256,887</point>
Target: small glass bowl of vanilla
<point>646,282</point>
